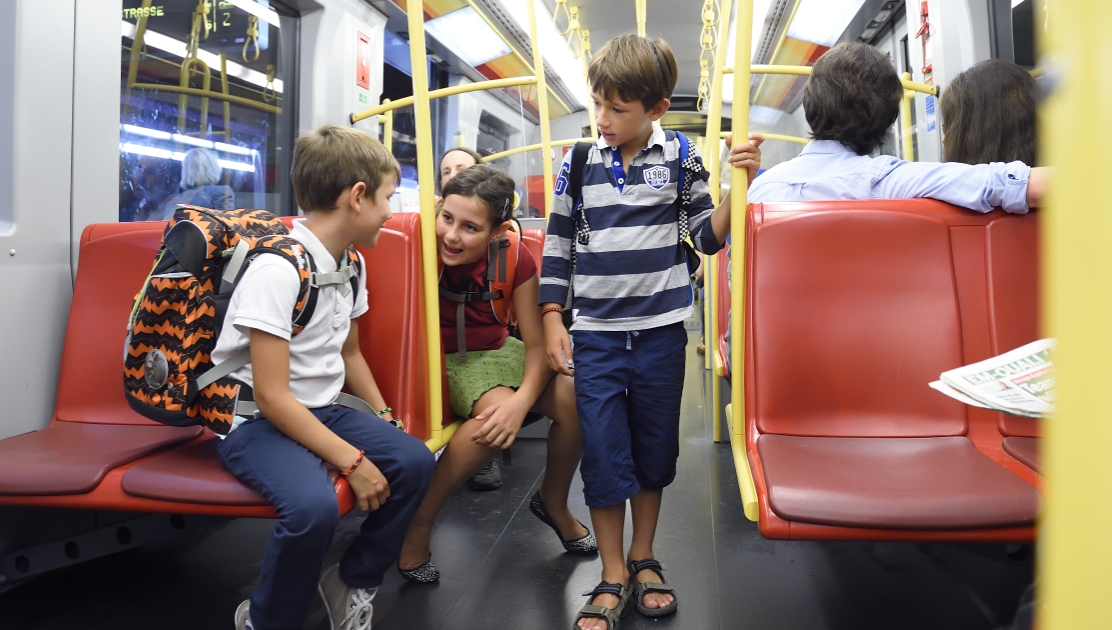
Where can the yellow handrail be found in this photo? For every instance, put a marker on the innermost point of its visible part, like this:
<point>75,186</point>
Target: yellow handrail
<point>739,198</point>
<point>710,271</point>
<point>641,18</point>
<point>1075,550</point>
<point>775,136</point>
<point>533,147</point>
<point>442,93</point>
<point>805,71</point>
<point>387,120</point>
<point>542,104</point>
<point>422,112</point>
<point>239,100</point>
<point>905,115</point>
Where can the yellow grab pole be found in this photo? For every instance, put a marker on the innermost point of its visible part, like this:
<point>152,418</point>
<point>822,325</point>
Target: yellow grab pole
<point>710,274</point>
<point>388,130</point>
<point>777,136</point>
<point>422,113</point>
<point>739,198</point>
<point>641,11</point>
<point>542,105</point>
<point>1076,549</point>
<point>442,93</point>
<point>905,118</point>
<point>531,147</point>
<point>805,71</point>
<point>738,203</point>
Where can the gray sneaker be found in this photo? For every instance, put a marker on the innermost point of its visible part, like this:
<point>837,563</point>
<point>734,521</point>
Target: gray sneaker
<point>243,616</point>
<point>489,477</point>
<point>348,608</point>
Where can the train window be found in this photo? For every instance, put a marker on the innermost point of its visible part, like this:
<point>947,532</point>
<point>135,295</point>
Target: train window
<point>208,103</point>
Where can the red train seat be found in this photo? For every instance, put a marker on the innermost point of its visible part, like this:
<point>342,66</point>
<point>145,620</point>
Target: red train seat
<point>81,454</point>
<point>722,279</point>
<point>851,309</point>
<point>1024,449</point>
<point>533,238</point>
<point>176,474</point>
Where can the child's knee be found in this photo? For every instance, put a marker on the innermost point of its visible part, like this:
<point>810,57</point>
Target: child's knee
<point>317,515</point>
<point>416,465</point>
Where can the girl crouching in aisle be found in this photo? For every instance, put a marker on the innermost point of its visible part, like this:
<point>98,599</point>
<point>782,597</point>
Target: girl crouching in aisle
<point>494,379</point>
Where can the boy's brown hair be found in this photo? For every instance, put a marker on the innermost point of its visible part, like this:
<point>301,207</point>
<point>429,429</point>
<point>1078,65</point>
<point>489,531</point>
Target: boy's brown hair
<point>853,96</point>
<point>332,158</point>
<point>635,68</point>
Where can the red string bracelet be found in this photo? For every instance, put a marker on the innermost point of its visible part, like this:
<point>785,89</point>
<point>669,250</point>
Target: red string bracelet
<point>551,309</point>
<point>358,460</point>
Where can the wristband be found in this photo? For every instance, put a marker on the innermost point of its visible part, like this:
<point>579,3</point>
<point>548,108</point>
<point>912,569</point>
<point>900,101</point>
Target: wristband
<point>358,460</point>
<point>551,309</point>
<point>384,411</point>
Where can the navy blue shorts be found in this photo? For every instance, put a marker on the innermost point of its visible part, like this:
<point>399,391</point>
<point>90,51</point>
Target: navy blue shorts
<point>628,387</point>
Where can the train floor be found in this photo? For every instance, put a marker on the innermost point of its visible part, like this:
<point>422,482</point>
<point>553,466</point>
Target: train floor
<point>502,568</point>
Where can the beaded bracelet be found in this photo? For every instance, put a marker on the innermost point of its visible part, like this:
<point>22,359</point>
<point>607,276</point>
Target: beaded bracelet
<point>358,460</point>
<point>384,411</point>
<point>551,309</point>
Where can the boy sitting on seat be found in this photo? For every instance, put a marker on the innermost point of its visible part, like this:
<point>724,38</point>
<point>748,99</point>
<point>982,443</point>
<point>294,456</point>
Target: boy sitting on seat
<point>343,180</point>
<point>851,100</point>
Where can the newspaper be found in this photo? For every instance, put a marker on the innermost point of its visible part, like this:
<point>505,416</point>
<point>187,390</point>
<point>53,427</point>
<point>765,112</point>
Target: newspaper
<point>1020,382</point>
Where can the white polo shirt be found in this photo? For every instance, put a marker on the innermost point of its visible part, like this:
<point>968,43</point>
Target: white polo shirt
<point>264,300</point>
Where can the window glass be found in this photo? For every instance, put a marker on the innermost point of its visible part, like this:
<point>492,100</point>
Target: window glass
<point>207,106</point>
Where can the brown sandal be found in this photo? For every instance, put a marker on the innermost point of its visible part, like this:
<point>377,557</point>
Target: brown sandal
<point>640,589</point>
<point>612,616</point>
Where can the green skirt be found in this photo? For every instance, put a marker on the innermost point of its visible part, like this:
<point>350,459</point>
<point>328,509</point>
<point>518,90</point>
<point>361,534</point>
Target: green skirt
<point>483,371</point>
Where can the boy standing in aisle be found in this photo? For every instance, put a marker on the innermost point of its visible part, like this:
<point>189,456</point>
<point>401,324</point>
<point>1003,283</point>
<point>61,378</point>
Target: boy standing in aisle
<point>630,294</point>
<point>343,180</point>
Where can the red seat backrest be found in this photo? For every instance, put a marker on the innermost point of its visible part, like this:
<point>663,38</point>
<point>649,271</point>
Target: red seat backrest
<point>722,279</point>
<point>391,332</point>
<point>115,260</point>
<point>533,238</point>
<point>854,307</point>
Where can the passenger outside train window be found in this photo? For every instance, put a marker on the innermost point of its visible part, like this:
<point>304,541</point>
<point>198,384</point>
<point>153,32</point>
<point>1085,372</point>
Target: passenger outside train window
<point>343,180</point>
<point>989,115</point>
<point>850,101</point>
<point>222,83</point>
<point>494,379</point>
<point>631,296</point>
<point>201,174</point>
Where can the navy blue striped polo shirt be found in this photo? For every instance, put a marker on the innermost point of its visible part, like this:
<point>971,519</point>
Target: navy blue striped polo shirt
<point>632,274</point>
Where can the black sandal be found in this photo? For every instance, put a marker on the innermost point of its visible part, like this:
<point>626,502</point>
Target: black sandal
<point>584,545</point>
<point>425,574</point>
<point>612,616</point>
<point>640,589</point>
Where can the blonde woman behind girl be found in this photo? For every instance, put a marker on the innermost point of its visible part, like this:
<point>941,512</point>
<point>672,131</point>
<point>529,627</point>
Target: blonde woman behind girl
<point>502,379</point>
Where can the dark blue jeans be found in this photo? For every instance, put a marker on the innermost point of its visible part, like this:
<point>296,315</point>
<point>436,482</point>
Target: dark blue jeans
<point>628,386</point>
<point>294,480</point>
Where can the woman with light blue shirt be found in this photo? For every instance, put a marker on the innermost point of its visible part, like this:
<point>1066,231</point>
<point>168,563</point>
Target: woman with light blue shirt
<point>850,101</point>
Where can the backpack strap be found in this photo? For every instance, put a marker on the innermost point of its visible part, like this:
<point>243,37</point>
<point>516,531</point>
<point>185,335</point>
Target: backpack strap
<point>691,168</point>
<point>501,271</point>
<point>579,155</point>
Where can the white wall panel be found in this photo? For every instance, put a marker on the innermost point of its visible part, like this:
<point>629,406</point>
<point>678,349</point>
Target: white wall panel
<point>36,110</point>
<point>96,117</point>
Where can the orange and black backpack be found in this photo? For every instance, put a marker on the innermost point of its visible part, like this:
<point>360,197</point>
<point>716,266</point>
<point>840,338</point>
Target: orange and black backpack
<point>169,376</point>
<point>501,266</point>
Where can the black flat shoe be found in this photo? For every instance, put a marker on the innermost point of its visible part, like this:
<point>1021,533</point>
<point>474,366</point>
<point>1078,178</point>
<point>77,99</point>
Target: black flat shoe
<point>425,574</point>
<point>584,545</point>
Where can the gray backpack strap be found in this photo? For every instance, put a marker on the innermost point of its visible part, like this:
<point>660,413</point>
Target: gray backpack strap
<point>217,372</point>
